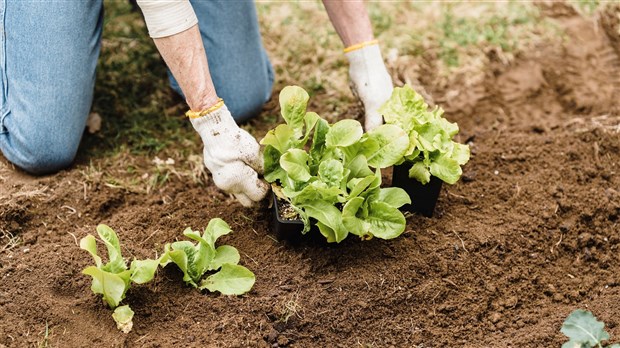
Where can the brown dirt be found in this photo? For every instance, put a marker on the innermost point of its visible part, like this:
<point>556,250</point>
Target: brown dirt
<point>530,234</point>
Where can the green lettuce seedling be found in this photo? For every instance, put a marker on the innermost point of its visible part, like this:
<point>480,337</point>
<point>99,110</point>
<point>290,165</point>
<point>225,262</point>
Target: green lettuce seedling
<point>113,279</point>
<point>431,150</point>
<point>335,179</point>
<point>197,259</point>
<point>585,331</point>
<point>123,316</point>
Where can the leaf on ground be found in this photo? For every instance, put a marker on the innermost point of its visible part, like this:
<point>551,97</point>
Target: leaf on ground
<point>582,327</point>
<point>230,280</point>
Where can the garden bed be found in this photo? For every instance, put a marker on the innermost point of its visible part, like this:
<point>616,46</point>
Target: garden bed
<point>531,233</point>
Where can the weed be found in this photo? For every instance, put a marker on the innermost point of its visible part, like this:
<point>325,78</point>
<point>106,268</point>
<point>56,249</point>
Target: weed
<point>8,240</point>
<point>44,343</point>
<point>289,308</point>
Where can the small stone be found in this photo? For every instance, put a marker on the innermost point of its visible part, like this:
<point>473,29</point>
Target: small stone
<point>495,317</point>
<point>93,124</point>
<point>566,226</point>
<point>468,177</point>
<point>283,341</point>
<point>273,335</point>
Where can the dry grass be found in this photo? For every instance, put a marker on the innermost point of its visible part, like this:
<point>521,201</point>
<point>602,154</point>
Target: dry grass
<point>426,44</point>
<point>447,38</point>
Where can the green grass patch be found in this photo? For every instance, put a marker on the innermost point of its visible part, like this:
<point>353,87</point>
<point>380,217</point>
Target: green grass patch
<point>140,112</point>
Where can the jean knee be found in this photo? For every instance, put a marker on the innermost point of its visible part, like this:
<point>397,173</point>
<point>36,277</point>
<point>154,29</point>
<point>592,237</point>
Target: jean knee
<point>40,162</point>
<point>244,106</point>
<point>37,150</point>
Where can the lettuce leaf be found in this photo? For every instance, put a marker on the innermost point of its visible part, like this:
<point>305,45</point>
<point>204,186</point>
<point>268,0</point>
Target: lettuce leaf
<point>431,148</point>
<point>340,165</point>
<point>195,260</point>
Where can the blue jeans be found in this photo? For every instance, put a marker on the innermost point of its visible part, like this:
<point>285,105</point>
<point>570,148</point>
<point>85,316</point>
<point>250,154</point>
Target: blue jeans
<point>48,56</point>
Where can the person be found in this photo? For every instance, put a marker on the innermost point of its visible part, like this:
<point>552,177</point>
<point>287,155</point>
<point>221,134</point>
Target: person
<point>213,51</point>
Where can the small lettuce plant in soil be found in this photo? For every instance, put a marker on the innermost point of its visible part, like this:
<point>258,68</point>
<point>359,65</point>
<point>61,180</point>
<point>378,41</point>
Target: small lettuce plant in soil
<point>585,331</point>
<point>196,259</point>
<point>114,278</point>
<point>431,149</point>
<point>330,173</point>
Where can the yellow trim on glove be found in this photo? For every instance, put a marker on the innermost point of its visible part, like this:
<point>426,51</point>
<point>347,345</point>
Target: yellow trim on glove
<point>196,114</point>
<point>360,45</point>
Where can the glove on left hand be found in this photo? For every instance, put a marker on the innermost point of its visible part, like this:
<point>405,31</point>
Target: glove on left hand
<point>370,82</point>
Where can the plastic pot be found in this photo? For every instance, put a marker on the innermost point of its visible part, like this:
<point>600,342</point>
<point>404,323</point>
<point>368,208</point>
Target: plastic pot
<point>423,197</point>
<point>290,230</point>
<point>284,228</point>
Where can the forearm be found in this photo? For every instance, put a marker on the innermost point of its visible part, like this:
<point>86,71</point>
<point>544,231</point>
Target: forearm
<point>186,58</point>
<point>173,26</point>
<point>350,19</point>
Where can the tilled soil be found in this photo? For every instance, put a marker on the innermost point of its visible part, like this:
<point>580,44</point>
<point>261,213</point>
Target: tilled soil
<point>529,234</point>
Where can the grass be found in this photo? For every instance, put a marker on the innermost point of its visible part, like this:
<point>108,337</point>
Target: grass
<point>140,113</point>
<point>143,118</point>
<point>8,241</point>
<point>45,343</point>
<point>588,7</point>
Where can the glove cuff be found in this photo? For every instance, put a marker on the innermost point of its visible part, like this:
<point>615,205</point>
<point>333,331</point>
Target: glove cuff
<point>365,56</point>
<point>196,114</point>
<point>214,122</point>
<point>361,45</point>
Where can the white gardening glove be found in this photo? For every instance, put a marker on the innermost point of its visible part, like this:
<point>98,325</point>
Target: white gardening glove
<point>370,80</point>
<point>232,156</point>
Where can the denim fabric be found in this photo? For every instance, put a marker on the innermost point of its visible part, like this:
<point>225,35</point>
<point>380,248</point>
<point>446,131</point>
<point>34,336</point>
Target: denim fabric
<point>239,66</point>
<point>48,56</point>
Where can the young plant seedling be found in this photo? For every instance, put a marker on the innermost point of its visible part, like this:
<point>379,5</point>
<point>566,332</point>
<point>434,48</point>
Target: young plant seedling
<point>432,157</point>
<point>123,316</point>
<point>335,180</point>
<point>113,279</point>
<point>197,259</point>
<point>585,331</point>
<point>432,150</point>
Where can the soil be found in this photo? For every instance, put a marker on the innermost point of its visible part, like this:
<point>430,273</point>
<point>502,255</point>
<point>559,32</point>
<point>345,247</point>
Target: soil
<point>530,234</point>
<point>285,211</point>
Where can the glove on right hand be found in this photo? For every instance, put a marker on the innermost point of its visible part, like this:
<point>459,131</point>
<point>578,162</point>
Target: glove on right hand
<point>232,156</point>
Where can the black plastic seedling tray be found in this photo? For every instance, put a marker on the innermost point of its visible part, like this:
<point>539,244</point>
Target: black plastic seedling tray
<point>423,197</point>
<point>291,229</point>
<point>282,227</point>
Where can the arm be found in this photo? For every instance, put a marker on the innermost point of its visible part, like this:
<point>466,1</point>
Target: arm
<point>350,19</point>
<point>370,80</point>
<point>174,28</point>
<point>186,58</point>
<point>231,154</point>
